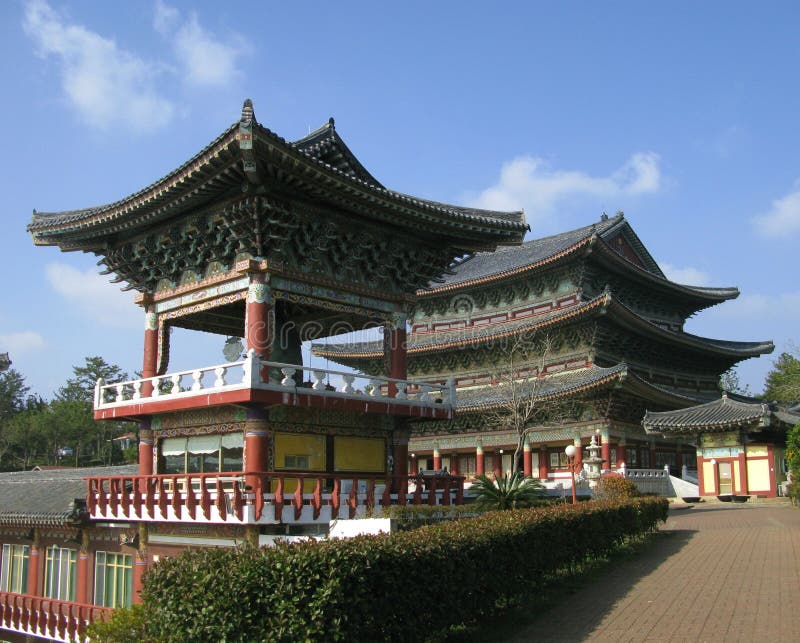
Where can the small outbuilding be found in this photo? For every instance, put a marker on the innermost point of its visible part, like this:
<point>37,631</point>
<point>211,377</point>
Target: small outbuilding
<point>740,443</point>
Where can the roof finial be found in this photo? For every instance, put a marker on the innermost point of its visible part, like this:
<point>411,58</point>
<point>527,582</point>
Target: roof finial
<point>620,213</point>
<point>604,217</point>
<point>248,114</point>
<point>331,122</point>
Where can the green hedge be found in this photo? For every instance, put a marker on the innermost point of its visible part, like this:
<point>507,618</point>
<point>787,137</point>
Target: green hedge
<point>375,588</point>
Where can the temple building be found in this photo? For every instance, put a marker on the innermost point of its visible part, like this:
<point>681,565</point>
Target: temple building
<point>267,243</point>
<point>582,330</point>
<point>741,444</point>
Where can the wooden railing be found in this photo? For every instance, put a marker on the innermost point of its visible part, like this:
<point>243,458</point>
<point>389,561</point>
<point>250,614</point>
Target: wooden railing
<point>264,497</point>
<point>46,617</point>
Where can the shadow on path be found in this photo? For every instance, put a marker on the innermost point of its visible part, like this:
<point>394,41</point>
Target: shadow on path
<point>571,609</point>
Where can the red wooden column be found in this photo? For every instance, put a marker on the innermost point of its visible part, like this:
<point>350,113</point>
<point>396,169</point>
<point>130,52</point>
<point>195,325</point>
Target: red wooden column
<point>256,448</point>
<point>139,568</point>
<point>82,571</point>
<point>527,460</point>
<point>605,450</point>
<point>497,464</point>
<point>700,481</point>
<point>480,462</point>
<point>578,453</point>
<point>145,450</point>
<point>621,453</point>
<point>400,454</point>
<point>34,565</point>
<point>437,459</point>
<point>678,461</point>
<point>743,483</point>
<point>414,464</point>
<point>544,463</point>
<point>395,351</point>
<point>150,352</point>
<point>258,315</point>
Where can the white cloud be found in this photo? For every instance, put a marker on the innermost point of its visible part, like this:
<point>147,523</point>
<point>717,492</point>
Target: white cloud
<point>760,307</point>
<point>94,296</point>
<point>686,275</point>
<point>106,85</point>
<point>22,342</point>
<point>529,182</point>
<point>205,59</point>
<point>783,218</point>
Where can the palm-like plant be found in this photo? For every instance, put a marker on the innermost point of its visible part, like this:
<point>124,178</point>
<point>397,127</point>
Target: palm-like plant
<point>508,492</point>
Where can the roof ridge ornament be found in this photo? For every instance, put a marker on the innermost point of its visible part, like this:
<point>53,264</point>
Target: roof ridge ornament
<point>245,137</point>
<point>248,113</point>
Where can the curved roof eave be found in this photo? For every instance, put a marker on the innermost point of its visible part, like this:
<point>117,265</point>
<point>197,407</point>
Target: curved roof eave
<point>508,225</point>
<point>602,304</point>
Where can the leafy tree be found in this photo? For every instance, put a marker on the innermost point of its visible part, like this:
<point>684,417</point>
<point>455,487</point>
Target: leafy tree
<point>508,492</point>
<point>523,404</point>
<point>81,385</point>
<point>793,451</point>
<point>783,381</point>
<point>13,393</point>
<point>730,383</point>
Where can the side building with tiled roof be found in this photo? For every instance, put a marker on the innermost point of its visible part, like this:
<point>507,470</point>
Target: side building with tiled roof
<point>585,317</point>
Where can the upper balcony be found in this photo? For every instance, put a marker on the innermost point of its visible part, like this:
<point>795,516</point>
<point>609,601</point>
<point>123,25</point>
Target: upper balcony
<point>253,380</point>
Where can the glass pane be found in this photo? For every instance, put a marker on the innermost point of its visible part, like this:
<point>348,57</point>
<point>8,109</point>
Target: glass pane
<point>210,462</point>
<point>232,459</point>
<point>203,444</point>
<point>194,463</point>
<point>174,463</point>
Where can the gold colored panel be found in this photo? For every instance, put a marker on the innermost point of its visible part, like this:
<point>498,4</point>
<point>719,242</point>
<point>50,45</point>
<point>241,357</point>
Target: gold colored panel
<point>299,452</point>
<point>757,475</point>
<point>359,454</point>
<point>708,478</point>
<point>757,451</point>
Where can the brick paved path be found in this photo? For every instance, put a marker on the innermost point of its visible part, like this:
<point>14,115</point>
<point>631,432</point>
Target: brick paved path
<point>719,573</point>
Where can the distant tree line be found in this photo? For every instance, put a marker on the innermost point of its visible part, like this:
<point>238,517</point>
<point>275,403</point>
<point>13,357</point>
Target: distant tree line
<point>60,431</point>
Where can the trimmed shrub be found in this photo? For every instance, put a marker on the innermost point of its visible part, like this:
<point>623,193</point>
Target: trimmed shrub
<point>414,516</point>
<point>616,488</point>
<point>368,588</point>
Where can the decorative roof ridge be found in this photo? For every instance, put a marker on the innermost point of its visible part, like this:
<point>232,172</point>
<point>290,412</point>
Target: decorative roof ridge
<point>618,372</point>
<point>755,348</point>
<point>722,293</point>
<point>585,243</point>
<point>584,308</point>
<point>42,220</point>
<point>512,221</point>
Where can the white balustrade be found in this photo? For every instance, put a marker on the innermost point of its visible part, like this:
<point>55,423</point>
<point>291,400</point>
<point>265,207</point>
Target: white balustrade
<point>282,377</point>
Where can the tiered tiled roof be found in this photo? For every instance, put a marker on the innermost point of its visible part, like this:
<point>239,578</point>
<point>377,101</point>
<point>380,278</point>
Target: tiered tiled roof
<point>509,261</point>
<point>569,384</point>
<point>319,164</point>
<point>603,305</point>
<point>719,415</point>
<point>48,498</point>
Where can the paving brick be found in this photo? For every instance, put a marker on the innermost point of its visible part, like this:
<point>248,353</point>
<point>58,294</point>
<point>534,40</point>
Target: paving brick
<point>718,573</point>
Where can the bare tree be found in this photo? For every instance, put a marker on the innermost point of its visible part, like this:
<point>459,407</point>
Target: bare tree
<point>525,399</point>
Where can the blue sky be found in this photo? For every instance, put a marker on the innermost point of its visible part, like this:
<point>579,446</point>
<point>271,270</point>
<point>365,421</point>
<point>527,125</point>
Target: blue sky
<point>681,114</point>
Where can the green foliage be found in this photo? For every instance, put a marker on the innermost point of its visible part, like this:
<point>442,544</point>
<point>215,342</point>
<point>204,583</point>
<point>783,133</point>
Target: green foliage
<point>32,431</point>
<point>413,516</point>
<point>123,626</point>
<point>729,382</point>
<point>615,488</point>
<point>370,588</point>
<point>793,492</point>
<point>793,451</point>
<point>783,381</point>
<point>508,492</point>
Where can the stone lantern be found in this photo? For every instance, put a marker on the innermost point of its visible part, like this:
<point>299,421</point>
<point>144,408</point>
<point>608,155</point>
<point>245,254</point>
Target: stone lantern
<point>593,463</point>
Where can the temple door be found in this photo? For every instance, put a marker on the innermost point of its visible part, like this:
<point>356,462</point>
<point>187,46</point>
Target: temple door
<point>725,478</point>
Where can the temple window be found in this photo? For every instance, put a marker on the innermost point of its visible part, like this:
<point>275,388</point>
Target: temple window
<point>467,465</point>
<point>558,460</point>
<point>14,569</point>
<point>664,458</point>
<point>632,457</point>
<point>203,453</point>
<point>113,579</point>
<point>59,573</point>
